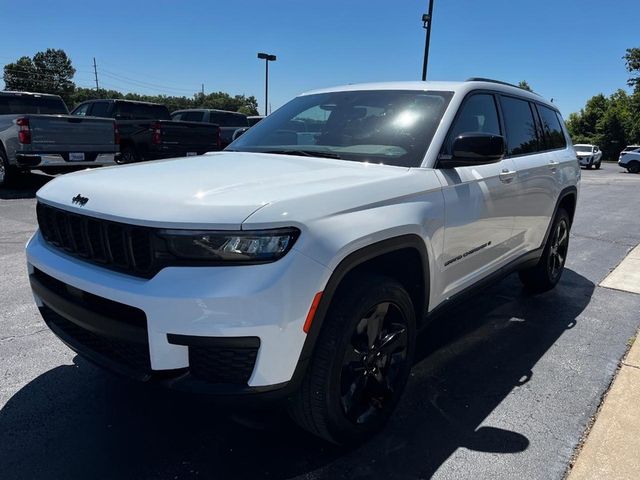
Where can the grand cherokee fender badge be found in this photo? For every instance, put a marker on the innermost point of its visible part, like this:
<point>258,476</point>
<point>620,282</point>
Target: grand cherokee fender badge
<point>466,254</point>
<point>80,200</point>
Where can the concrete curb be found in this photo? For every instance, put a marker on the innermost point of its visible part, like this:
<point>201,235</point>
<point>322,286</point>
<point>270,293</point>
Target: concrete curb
<point>612,449</point>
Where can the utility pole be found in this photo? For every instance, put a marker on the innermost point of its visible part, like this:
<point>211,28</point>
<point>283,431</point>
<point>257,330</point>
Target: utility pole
<point>426,24</point>
<point>95,72</point>
<point>203,89</point>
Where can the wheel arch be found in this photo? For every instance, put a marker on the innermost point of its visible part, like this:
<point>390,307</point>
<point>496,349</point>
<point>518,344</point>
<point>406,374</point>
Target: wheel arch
<point>382,257</point>
<point>568,199</point>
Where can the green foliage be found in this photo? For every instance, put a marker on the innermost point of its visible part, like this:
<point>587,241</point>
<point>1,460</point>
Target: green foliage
<point>611,122</point>
<point>51,71</point>
<point>47,72</point>
<point>632,62</point>
<point>523,84</point>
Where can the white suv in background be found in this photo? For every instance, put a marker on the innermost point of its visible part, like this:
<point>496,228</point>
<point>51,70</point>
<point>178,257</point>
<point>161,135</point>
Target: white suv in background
<point>630,158</point>
<point>588,155</point>
<point>300,263</point>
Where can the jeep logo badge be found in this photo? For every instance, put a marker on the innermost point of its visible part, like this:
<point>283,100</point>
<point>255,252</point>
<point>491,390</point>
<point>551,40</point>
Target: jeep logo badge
<point>80,200</point>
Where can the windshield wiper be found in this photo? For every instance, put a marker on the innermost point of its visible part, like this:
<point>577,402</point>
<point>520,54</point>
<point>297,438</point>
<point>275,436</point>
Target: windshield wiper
<point>305,153</point>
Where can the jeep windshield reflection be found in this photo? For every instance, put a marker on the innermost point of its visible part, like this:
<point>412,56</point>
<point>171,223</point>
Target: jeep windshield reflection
<point>382,126</point>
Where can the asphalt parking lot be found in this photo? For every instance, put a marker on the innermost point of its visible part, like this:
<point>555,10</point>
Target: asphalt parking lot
<point>505,387</point>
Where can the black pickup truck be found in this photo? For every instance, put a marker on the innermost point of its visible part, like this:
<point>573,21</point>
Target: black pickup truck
<point>228,122</point>
<point>148,133</point>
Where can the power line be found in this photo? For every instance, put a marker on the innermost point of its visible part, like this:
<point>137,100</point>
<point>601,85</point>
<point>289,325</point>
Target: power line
<point>142,83</point>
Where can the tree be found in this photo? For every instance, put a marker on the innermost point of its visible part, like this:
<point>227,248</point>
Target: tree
<point>47,72</point>
<point>523,84</point>
<point>632,63</point>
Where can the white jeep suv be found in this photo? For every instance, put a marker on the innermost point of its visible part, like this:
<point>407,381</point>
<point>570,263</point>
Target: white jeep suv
<point>299,263</point>
<point>630,158</point>
<point>588,155</point>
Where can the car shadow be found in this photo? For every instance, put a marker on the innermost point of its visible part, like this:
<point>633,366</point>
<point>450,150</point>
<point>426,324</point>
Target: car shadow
<point>77,422</point>
<point>25,186</point>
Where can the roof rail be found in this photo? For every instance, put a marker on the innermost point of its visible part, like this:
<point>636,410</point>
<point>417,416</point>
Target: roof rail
<point>491,80</point>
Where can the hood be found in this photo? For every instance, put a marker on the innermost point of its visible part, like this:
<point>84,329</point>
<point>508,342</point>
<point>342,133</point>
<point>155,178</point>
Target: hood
<point>217,190</point>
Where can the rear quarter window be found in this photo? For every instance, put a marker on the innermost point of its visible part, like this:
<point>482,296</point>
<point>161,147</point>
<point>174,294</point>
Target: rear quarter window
<point>554,136</point>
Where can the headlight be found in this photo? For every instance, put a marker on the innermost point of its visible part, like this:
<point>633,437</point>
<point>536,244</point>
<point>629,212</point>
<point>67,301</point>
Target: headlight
<point>255,246</point>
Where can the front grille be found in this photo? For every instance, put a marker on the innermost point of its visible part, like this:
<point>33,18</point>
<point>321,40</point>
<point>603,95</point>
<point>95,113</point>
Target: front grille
<point>131,355</point>
<point>220,364</point>
<point>114,245</point>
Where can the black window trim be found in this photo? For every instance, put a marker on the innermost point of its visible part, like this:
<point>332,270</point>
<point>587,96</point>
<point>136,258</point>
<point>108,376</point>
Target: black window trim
<point>483,91</point>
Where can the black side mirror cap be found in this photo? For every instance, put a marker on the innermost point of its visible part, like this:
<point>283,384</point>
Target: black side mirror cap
<point>477,148</point>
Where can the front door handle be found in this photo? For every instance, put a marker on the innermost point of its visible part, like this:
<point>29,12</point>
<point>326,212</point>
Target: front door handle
<point>507,175</point>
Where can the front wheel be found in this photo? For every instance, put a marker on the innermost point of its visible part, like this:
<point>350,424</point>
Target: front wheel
<point>546,274</point>
<point>8,173</point>
<point>361,362</point>
<point>634,167</point>
<point>598,165</point>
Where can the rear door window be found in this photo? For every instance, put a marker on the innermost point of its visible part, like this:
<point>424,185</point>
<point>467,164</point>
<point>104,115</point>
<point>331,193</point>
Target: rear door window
<point>100,109</point>
<point>522,135</point>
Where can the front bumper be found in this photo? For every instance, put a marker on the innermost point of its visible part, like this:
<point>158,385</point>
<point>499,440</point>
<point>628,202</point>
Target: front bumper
<point>185,311</point>
<point>585,161</point>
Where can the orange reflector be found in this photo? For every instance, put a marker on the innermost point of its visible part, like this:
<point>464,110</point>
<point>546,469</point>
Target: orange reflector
<point>312,312</point>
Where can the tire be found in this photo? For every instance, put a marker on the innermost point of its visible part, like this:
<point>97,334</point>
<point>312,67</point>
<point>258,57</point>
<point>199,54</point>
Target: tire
<point>598,165</point>
<point>589,166</point>
<point>546,274</point>
<point>8,173</point>
<point>129,155</point>
<point>634,167</point>
<point>341,398</point>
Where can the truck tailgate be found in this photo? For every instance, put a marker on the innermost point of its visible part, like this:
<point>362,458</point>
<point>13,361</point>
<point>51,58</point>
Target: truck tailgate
<point>196,136</point>
<point>66,132</point>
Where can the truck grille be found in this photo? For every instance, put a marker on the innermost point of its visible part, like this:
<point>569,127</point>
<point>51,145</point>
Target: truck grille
<point>113,245</point>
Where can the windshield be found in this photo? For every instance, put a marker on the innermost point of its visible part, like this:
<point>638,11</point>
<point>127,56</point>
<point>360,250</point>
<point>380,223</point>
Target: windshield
<point>384,126</point>
<point>583,148</point>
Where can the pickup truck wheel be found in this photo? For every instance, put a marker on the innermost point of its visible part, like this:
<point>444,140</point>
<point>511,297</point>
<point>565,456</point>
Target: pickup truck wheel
<point>598,165</point>
<point>129,155</point>
<point>8,173</point>
<point>634,167</point>
<point>361,362</point>
<point>546,274</point>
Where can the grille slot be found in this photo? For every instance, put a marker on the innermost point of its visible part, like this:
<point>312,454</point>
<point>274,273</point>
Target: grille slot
<point>230,365</point>
<point>114,245</point>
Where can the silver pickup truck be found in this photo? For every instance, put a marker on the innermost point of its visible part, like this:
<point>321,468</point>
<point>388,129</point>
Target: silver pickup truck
<point>37,132</point>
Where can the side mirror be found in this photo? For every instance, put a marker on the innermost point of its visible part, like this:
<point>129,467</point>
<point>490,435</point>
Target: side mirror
<point>470,149</point>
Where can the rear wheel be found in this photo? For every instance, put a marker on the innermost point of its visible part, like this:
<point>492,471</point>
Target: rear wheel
<point>361,362</point>
<point>546,274</point>
<point>129,155</point>
<point>8,173</point>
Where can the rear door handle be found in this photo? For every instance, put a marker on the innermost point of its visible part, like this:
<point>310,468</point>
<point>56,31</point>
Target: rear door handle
<point>507,175</point>
<point>553,165</point>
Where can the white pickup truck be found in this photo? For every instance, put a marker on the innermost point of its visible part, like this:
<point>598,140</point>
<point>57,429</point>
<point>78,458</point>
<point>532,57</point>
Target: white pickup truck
<point>300,262</point>
<point>37,132</point>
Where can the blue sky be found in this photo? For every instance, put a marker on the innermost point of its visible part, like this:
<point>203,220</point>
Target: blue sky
<point>566,49</point>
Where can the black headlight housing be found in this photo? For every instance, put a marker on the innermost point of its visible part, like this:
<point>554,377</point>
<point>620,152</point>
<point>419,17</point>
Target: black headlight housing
<point>229,247</point>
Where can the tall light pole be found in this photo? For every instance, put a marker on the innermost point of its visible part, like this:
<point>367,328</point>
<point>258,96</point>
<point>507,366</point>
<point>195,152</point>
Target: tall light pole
<point>426,24</point>
<point>267,58</point>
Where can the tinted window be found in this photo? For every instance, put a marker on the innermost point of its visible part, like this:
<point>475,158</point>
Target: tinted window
<point>192,116</point>
<point>521,127</point>
<point>176,116</point>
<point>228,119</point>
<point>384,126</point>
<point>32,104</point>
<point>478,114</point>
<point>554,137</point>
<point>100,109</point>
<point>142,111</point>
